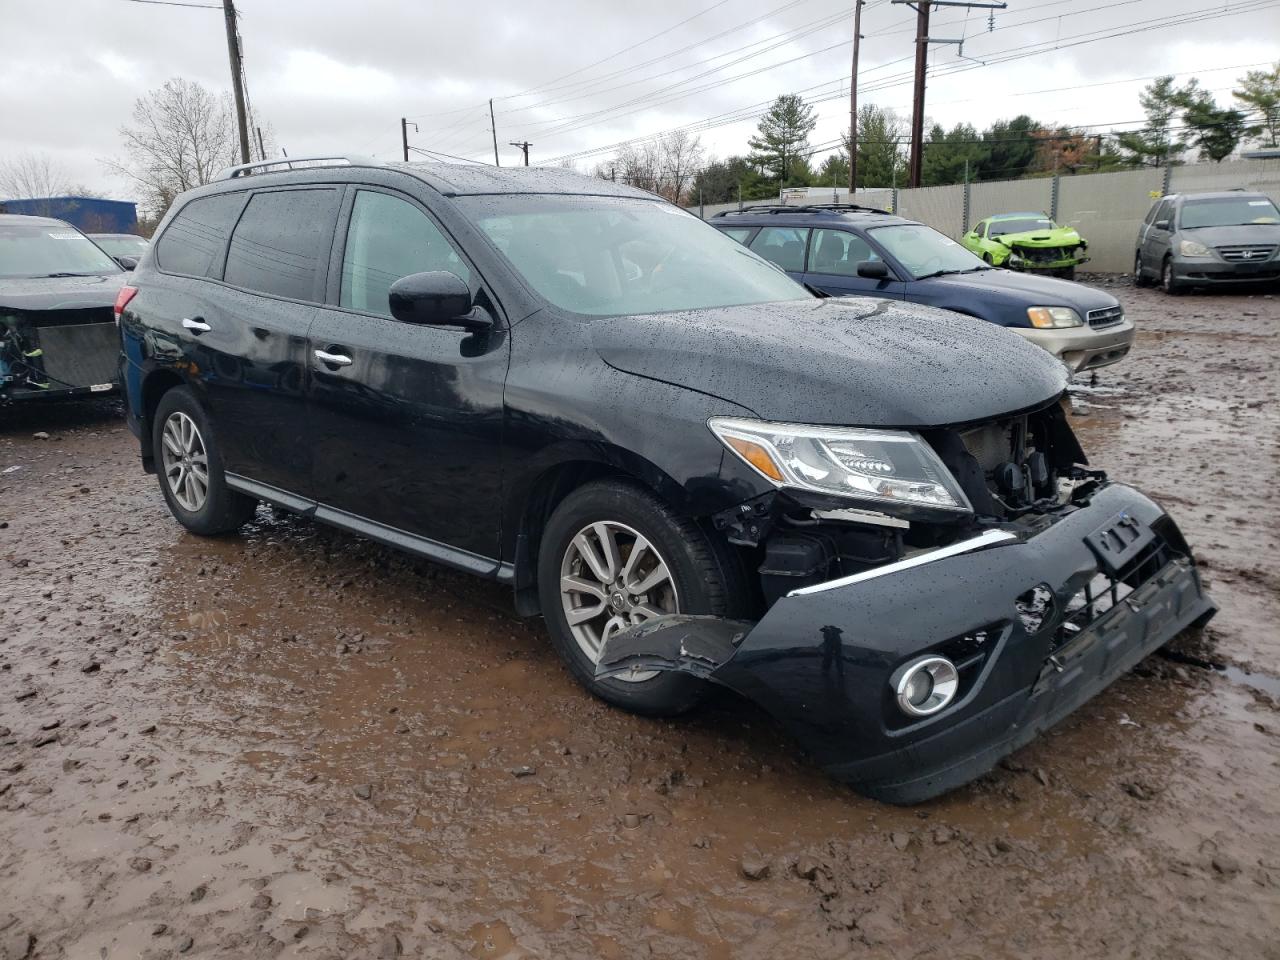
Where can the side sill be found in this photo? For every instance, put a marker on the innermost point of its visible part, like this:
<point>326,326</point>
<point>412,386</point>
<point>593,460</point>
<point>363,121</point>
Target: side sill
<point>382,533</point>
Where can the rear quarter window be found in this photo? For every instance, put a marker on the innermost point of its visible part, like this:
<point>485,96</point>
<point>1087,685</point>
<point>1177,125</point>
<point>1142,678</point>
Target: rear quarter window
<point>193,242</point>
<point>282,241</point>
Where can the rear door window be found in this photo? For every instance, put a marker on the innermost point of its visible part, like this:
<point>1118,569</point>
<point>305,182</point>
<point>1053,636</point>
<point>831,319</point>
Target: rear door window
<point>390,238</point>
<point>838,252</point>
<point>783,246</point>
<point>281,242</point>
<point>193,242</point>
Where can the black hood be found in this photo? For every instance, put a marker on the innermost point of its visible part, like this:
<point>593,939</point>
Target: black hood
<point>1002,296</point>
<point>60,293</point>
<point>855,361</point>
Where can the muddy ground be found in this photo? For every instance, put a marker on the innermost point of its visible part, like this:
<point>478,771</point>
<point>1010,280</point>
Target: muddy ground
<point>297,743</point>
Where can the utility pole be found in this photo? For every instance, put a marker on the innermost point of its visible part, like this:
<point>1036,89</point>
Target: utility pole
<point>493,128</point>
<point>237,77</point>
<point>404,136</point>
<point>262,151</point>
<point>853,99</point>
<point>915,165</point>
<point>524,146</point>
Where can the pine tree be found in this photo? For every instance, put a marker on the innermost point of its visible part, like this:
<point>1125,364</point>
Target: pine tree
<point>782,137</point>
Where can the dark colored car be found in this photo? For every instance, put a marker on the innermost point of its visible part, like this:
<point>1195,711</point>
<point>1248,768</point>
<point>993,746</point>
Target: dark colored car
<point>57,291</point>
<point>1209,239</point>
<point>125,249</point>
<point>843,250</point>
<point>870,517</point>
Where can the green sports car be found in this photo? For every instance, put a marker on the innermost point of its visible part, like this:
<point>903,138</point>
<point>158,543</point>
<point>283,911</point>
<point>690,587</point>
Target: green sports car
<point>1028,241</point>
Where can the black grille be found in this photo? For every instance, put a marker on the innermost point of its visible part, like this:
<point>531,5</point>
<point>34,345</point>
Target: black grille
<point>80,355</point>
<point>1247,252</point>
<point>1105,591</point>
<point>1042,254</point>
<point>1106,317</point>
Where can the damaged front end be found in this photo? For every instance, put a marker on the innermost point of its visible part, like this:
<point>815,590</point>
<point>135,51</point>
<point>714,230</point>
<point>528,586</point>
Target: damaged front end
<point>908,651</point>
<point>61,352</point>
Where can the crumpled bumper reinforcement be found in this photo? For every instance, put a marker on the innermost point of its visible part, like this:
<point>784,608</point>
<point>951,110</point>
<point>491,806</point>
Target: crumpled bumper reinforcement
<point>820,661</point>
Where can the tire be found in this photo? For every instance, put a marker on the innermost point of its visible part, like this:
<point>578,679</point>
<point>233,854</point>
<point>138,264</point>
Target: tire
<point>701,580</point>
<point>1068,274</point>
<point>1167,282</point>
<point>181,439</point>
<point>1140,279</point>
<point>987,257</point>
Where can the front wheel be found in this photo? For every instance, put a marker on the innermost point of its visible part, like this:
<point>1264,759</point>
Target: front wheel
<point>1168,283</point>
<point>189,466</point>
<point>612,556</point>
<point>1139,278</point>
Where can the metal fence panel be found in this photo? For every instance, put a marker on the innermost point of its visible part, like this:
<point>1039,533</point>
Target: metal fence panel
<point>1107,209</point>
<point>1008,196</point>
<point>940,207</point>
<point>1260,175</point>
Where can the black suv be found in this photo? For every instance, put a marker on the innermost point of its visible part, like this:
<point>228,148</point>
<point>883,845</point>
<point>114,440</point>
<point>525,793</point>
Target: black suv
<point>871,518</point>
<point>847,250</point>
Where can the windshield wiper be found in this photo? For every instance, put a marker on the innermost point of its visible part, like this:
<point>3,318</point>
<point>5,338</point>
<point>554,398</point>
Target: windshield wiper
<point>947,273</point>
<point>49,276</point>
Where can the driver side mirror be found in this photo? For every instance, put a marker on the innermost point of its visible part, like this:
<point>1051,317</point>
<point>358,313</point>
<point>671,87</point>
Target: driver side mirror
<point>1161,224</point>
<point>873,270</point>
<point>436,298</point>
<point>128,263</point>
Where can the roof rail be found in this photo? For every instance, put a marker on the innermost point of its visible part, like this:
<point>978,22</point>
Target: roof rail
<point>244,169</point>
<point>778,208</point>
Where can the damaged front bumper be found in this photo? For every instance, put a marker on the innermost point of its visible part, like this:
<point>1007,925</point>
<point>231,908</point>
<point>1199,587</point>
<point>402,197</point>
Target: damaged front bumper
<point>1035,623</point>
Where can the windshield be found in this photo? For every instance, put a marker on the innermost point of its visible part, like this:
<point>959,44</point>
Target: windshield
<point>122,246</point>
<point>924,252</point>
<point>1228,212</point>
<point>614,256</point>
<point>50,250</point>
<point>1022,225</point>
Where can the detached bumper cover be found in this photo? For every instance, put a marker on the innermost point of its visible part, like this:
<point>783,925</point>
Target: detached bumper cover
<point>821,661</point>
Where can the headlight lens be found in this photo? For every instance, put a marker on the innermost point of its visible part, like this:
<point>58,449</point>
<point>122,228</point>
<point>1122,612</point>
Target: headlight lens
<point>1189,248</point>
<point>882,467</point>
<point>1050,318</point>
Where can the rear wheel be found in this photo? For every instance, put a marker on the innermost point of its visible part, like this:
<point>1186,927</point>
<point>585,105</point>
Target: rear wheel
<point>613,556</point>
<point>189,466</point>
<point>1168,282</point>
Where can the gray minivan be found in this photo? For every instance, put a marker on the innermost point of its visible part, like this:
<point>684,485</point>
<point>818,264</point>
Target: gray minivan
<point>1206,239</point>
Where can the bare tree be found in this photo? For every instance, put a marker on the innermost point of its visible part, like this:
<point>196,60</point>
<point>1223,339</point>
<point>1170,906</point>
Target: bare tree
<point>638,164</point>
<point>681,160</point>
<point>29,176</point>
<point>182,136</point>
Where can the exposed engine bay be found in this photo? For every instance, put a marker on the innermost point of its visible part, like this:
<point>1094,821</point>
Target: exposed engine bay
<point>1014,471</point>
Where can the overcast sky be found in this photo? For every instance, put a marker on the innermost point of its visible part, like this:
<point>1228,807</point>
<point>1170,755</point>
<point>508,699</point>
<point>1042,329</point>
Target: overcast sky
<point>334,76</point>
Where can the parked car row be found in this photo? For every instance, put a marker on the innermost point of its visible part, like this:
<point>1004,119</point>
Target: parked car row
<point>843,250</point>
<point>867,514</point>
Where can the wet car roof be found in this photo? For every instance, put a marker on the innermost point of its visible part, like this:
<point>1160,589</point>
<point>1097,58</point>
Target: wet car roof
<point>22,220</point>
<point>462,179</point>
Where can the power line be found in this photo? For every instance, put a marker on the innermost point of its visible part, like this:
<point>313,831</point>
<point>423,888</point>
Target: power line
<point>750,112</point>
<point>436,153</point>
<point>176,3</point>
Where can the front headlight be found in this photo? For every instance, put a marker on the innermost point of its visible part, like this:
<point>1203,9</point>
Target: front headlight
<point>1051,318</point>
<point>1189,248</point>
<point>881,467</point>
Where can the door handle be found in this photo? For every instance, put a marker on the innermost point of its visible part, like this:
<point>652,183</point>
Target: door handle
<point>195,326</point>
<point>333,359</point>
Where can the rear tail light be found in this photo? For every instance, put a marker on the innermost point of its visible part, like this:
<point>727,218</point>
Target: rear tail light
<point>126,294</point>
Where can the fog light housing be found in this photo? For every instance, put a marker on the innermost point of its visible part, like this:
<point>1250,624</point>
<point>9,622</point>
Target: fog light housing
<point>926,685</point>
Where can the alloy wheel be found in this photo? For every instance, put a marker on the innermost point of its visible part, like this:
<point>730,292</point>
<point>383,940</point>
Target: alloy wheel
<point>612,578</point>
<point>185,462</point>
